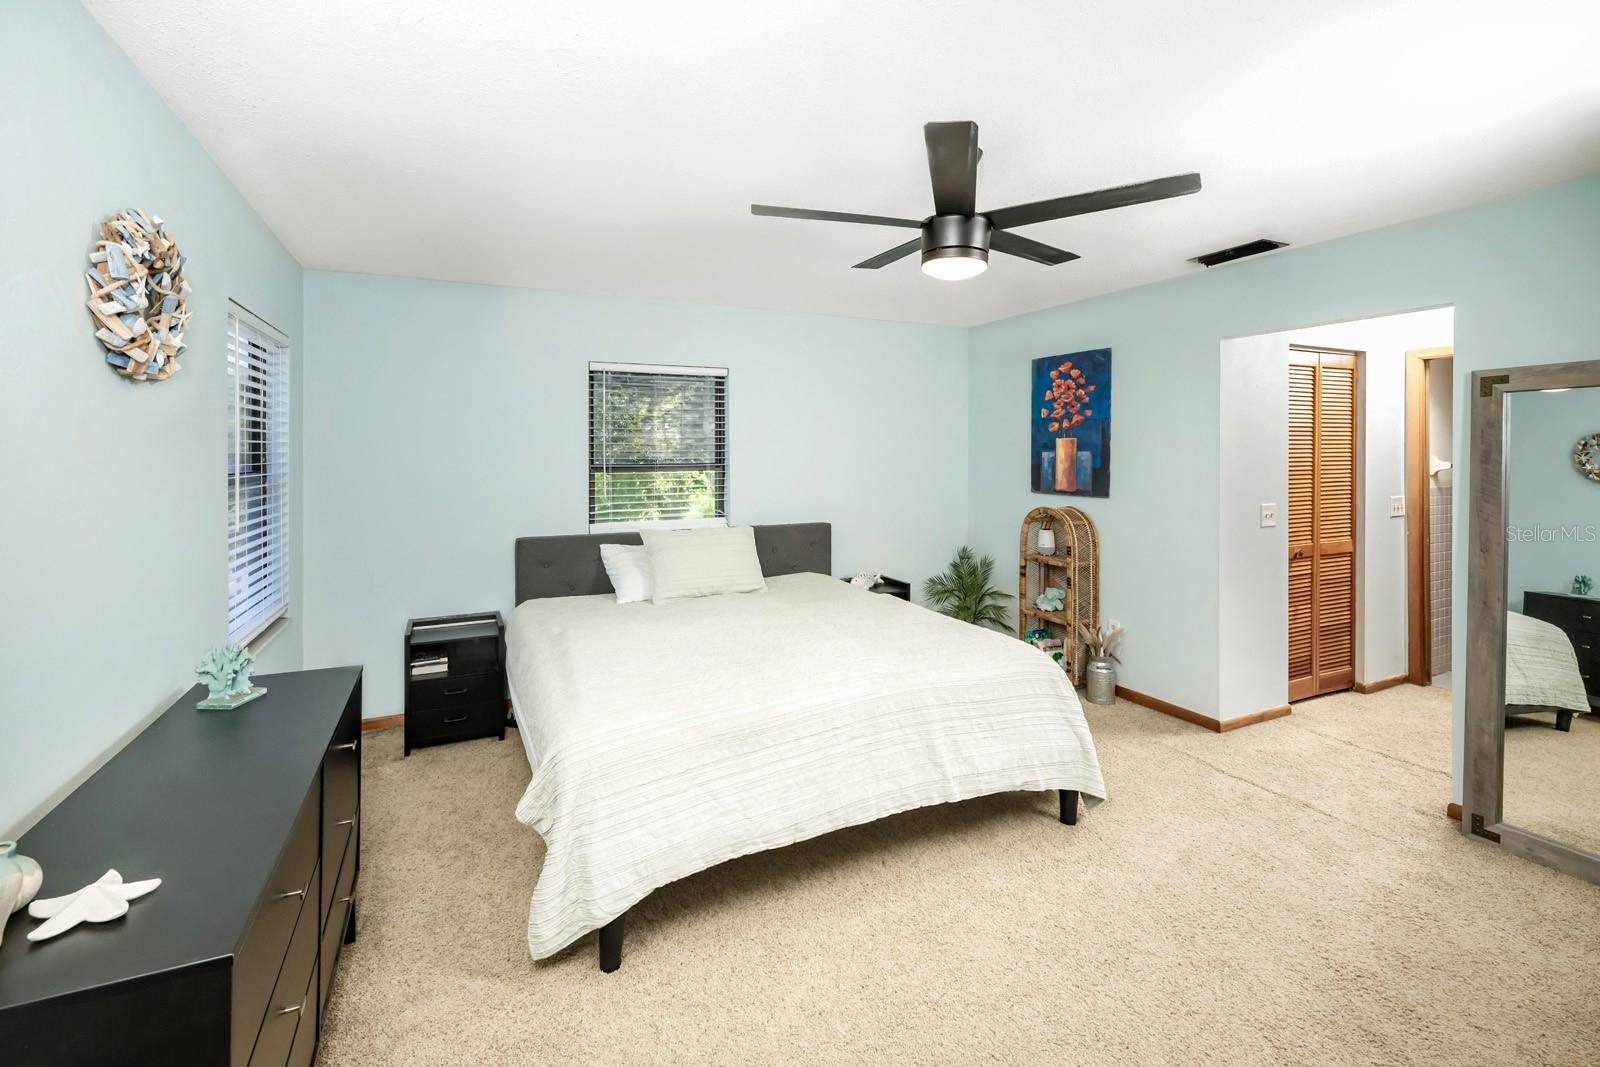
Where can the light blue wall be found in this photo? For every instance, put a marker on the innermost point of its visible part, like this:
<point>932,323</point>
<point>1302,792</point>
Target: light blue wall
<point>112,495</point>
<point>1547,496</point>
<point>1523,275</point>
<point>445,420</point>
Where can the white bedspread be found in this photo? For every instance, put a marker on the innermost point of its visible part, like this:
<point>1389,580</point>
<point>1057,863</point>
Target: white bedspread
<point>667,738</point>
<point>1541,666</point>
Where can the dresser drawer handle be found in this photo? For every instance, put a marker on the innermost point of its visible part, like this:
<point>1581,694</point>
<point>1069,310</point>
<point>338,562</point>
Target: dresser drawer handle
<point>462,689</point>
<point>346,900</point>
<point>289,1011</point>
<point>291,894</point>
<point>452,719</point>
<point>348,746</point>
<point>345,822</point>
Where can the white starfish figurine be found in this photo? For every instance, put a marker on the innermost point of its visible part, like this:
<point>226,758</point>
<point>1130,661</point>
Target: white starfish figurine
<point>98,902</point>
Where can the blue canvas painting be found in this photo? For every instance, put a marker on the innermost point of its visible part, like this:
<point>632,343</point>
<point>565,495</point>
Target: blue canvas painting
<point>1071,416</point>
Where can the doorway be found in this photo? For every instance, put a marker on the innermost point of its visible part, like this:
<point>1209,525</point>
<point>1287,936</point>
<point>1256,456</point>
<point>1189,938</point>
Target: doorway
<point>1429,470</point>
<point>1321,517</point>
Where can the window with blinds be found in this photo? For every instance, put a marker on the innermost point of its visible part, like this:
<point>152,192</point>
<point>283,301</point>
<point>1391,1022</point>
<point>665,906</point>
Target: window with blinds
<point>658,445</point>
<point>258,476</point>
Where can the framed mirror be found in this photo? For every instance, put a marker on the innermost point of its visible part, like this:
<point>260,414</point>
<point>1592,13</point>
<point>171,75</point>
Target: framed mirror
<point>1533,616</point>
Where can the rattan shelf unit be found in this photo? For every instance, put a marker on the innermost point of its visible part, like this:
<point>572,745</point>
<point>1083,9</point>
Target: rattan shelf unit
<point>1074,568</point>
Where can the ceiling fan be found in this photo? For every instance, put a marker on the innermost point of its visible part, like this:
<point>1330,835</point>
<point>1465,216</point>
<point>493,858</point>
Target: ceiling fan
<point>957,238</point>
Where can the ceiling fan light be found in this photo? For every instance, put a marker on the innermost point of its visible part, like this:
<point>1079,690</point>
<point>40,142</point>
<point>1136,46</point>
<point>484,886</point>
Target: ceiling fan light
<point>954,264</point>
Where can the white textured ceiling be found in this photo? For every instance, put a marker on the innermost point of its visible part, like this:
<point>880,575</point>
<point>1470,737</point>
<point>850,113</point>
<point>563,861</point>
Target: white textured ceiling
<point>616,147</point>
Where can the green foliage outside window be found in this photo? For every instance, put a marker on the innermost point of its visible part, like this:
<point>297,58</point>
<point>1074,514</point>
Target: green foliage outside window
<point>654,452</point>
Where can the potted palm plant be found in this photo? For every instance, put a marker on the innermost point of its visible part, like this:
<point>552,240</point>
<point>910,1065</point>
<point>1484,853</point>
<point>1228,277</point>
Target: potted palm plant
<point>965,591</point>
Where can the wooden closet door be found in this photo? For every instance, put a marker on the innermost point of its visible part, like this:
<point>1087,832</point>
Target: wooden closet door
<point>1322,523</point>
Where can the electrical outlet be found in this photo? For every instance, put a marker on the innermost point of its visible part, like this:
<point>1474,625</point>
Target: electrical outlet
<point>1269,515</point>
<point>1397,507</point>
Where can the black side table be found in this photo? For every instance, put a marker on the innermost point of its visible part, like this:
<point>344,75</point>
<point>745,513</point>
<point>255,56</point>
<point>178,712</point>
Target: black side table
<point>890,587</point>
<point>455,679</point>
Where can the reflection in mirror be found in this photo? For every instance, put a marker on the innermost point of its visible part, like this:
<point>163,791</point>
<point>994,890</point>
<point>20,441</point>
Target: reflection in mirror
<point>1552,736</point>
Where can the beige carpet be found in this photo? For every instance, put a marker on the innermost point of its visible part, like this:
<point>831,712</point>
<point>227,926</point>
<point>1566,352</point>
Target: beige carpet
<point>1553,778</point>
<point>1288,893</point>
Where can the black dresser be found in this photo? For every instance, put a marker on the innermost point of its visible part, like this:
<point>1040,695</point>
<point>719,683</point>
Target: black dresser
<point>1579,616</point>
<point>252,819</point>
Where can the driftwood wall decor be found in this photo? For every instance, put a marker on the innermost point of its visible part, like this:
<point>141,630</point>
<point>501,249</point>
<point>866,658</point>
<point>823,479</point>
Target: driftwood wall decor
<point>1586,457</point>
<point>137,296</point>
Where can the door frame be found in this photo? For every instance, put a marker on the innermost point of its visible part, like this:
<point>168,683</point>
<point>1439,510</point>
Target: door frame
<point>1419,616</point>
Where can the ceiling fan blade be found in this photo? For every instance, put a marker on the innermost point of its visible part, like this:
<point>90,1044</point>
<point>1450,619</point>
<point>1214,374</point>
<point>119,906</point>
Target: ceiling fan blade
<point>832,216</point>
<point>883,259</point>
<point>953,166</point>
<point>1100,200</point>
<point>1015,245</point>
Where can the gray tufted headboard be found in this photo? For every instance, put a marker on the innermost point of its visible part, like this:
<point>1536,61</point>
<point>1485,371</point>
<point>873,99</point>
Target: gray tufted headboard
<point>569,564</point>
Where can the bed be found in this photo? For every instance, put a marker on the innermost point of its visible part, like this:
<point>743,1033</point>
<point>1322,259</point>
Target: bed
<point>1542,672</point>
<point>667,738</point>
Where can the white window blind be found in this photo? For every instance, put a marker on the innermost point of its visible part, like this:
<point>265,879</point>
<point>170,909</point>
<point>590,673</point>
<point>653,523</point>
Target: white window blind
<point>258,476</point>
<point>658,445</point>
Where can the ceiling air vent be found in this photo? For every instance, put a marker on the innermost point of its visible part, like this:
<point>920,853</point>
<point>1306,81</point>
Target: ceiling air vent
<point>1228,255</point>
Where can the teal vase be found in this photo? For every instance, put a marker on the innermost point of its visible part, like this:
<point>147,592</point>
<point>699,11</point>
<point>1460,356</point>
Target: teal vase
<point>20,879</point>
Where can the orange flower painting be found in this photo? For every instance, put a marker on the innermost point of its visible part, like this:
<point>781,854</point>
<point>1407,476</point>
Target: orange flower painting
<point>1072,424</point>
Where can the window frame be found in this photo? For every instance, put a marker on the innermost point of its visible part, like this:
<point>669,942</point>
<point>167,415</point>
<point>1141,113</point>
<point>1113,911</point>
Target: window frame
<point>256,452</point>
<point>719,463</point>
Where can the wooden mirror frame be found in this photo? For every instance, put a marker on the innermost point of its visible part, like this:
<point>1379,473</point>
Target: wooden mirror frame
<point>1483,766</point>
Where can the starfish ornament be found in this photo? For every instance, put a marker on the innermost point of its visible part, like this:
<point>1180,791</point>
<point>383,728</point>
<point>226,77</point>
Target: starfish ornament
<point>98,902</point>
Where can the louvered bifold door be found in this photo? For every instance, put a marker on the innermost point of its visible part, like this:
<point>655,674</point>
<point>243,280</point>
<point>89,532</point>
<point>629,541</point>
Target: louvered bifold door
<point>1322,524</point>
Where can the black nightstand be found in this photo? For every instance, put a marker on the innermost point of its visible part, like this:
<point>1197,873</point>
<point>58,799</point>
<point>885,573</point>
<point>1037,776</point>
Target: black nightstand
<point>455,679</point>
<point>890,587</point>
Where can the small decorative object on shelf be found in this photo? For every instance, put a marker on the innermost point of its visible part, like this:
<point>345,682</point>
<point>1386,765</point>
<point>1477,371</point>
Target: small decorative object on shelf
<point>137,296</point>
<point>1053,647</point>
<point>98,902</point>
<point>1101,647</point>
<point>226,673</point>
<point>965,590</point>
<point>20,879</point>
<point>1068,575</point>
<point>1582,585</point>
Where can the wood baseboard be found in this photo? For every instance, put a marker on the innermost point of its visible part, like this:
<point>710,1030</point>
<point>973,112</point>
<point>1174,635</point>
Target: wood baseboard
<point>1254,717</point>
<point>1453,810</point>
<point>1145,700</point>
<point>1382,684</point>
<point>1217,726</point>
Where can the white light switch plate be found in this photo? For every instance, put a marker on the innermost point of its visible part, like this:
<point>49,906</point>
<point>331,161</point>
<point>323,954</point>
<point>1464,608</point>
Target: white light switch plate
<point>1397,507</point>
<point>1269,515</point>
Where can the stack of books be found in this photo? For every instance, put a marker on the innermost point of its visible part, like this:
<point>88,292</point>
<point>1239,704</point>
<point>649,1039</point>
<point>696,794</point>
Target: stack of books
<point>430,663</point>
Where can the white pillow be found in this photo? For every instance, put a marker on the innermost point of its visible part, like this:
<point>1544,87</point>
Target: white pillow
<point>628,567</point>
<point>689,563</point>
